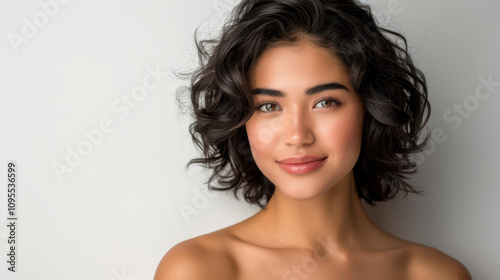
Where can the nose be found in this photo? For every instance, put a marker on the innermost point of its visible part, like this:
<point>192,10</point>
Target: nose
<point>297,130</point>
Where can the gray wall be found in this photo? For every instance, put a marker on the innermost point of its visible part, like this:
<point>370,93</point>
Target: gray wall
<point>87,113</point>
<point>456,44</point>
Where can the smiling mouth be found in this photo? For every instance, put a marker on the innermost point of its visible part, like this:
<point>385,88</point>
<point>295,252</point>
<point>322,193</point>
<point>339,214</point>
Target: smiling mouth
<point>300,159</point>
<point>302,166</point>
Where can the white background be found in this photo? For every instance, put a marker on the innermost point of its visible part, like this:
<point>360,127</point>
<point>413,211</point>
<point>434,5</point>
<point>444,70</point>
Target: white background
<point>117,212</point>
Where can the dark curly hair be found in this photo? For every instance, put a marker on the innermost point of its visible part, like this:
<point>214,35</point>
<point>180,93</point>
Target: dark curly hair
<point>392,89</point>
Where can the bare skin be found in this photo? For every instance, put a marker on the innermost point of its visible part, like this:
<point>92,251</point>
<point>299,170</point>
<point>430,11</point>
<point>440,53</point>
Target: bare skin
<point>314,226</point>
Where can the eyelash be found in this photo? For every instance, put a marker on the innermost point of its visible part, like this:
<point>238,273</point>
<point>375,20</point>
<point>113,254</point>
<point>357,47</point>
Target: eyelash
<point>333,99</point>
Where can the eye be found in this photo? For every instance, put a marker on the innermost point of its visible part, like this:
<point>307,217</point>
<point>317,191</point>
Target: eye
<point>267,106</point>
<point>328,102</point>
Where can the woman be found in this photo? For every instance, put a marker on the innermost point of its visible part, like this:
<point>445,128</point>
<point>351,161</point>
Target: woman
<point>306,107</point>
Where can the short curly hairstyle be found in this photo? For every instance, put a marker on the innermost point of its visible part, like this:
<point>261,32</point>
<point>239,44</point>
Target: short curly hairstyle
<point>393,91</point>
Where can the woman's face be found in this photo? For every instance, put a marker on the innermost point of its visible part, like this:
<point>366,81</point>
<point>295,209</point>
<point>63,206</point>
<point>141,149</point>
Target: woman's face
<point>306,106</point>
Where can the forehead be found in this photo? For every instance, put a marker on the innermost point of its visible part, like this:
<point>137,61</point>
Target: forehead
<point>298,65</point>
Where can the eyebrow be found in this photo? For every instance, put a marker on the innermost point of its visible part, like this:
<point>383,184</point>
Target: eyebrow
<point>309,91</point>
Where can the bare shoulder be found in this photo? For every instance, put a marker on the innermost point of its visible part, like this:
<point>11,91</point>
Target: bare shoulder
<point>203,257</point>
<point>430,263</point>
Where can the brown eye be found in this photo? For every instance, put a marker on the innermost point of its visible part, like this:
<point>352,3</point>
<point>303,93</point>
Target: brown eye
<point>327,103</point>
<point>268,107</point>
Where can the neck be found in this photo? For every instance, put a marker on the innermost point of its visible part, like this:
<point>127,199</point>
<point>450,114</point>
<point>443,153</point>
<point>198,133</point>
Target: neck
<point>336,215</point>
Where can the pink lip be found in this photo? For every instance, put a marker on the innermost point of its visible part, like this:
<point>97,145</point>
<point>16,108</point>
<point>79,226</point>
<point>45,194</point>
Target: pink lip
<point>302,164</point>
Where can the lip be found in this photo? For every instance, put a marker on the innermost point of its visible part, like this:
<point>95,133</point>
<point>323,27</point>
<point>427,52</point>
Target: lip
<point>301,164</point>
<point>300,159</point>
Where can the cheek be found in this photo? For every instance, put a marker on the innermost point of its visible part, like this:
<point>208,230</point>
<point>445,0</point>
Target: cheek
<point>262,133</point>
<point>344,134</point>
<point>263,136</point>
